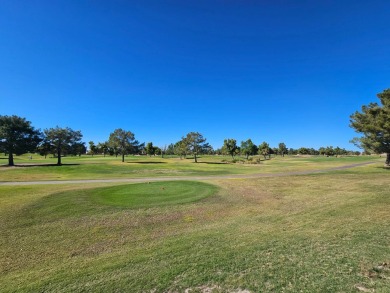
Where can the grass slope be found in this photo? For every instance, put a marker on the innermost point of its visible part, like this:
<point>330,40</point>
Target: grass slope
<point>313,233</point>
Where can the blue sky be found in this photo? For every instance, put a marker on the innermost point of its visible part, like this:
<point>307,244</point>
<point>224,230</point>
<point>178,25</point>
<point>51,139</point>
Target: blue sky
<point>275,71</point>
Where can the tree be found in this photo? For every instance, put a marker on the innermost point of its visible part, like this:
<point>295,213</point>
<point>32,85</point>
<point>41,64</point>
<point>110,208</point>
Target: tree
<point>157,151</point>
<point>92,148</point>
<point>44,148</point>
<point>282,149</point>
<point>150,149</point>
<point>181,148</point>
<point>304,151</point>
<point>62,140</point>
<point>17,136</point>
<point>248,148</point>
<point>196,144</point>
<point>329,151</point>
<point>113,150</point>
<point>340,151</point>
<point>162,150</point>
<point>374,123</point>
<point>170,149</point>
<point>209,150</point>
<point>123,142</point>
<point>102,147</point>
<point>264,149</point>
<point>230,146</point>
<point>77,149</point>
<point>137,147</point>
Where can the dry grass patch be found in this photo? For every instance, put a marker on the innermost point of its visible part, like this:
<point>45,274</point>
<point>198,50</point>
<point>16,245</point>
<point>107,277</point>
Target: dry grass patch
<point>317,233</point>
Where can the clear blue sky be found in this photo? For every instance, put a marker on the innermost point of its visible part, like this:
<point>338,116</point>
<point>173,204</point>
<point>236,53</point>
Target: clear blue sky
<point>275,71</point>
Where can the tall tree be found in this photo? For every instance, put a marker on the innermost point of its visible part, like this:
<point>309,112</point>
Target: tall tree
<point>62,139</point>
<point>282,149</point>
<point>230,146</point>
<point>374,123</point>
<point>17,136</point>
<point>196,144</point>
<point>123,142</point>
<point>264,149</point>
<point>248,148</point>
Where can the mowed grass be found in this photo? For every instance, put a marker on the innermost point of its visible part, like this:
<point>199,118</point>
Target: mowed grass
<point>315,233</point>
<point>147,195</point>
<point>98,167</point>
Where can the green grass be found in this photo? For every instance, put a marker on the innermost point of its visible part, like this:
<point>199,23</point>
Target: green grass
<point>97,167</point>
<point>311,233</point>
<point>154,194</point>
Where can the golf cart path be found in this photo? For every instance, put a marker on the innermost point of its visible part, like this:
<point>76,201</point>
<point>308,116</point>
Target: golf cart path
<point>176,178</point>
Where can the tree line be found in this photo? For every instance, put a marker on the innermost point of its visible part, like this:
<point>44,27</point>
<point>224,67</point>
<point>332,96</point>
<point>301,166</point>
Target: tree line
<point>247,148</point>
<point>18,136</point>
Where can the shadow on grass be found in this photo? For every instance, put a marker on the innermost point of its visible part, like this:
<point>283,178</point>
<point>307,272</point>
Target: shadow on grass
<point>383,168</point>
<point>146,162</point>
<point>39,165</point>
<point>214,163</point>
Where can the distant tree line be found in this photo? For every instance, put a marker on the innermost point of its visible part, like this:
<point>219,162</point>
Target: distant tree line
<point>248,148</point>
<point>18,136</point>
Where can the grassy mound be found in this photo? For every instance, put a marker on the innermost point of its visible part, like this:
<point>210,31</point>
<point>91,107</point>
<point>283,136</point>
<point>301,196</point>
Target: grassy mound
<point>145,195</point>
<point>78,203</point>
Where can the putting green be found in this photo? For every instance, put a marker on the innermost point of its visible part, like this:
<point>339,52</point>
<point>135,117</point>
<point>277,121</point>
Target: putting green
<point>143,195</point>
